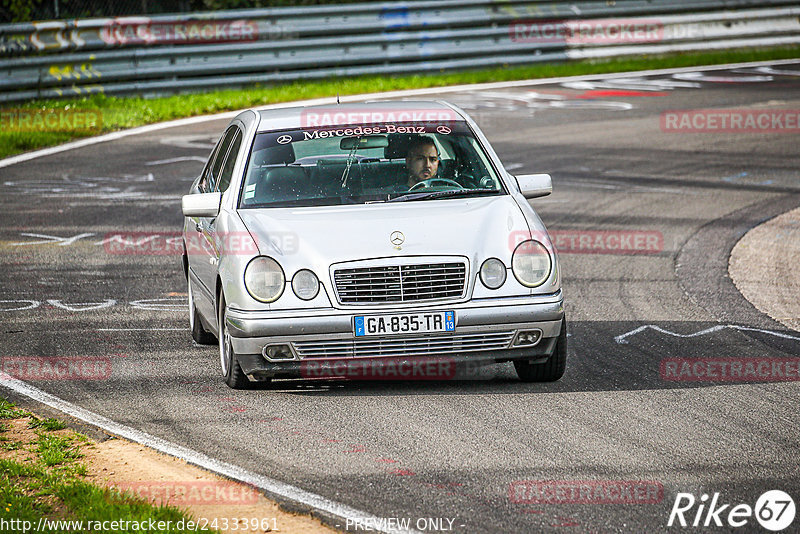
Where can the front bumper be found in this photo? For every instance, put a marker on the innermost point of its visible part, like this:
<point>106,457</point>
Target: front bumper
<point>486,331</point>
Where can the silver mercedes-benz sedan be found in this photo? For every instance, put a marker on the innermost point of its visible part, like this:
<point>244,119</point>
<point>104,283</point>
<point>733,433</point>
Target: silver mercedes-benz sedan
<point>374,240</point>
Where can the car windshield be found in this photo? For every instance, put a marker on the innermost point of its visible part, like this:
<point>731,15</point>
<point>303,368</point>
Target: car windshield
<point>359,164</point>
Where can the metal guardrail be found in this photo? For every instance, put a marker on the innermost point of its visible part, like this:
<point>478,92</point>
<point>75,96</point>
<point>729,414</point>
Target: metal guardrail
<point>170,54</point>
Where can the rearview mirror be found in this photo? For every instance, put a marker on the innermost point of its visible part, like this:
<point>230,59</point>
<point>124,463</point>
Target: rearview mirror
<point>367,141</point>
<point>535,185</point>
<point>201,205</point>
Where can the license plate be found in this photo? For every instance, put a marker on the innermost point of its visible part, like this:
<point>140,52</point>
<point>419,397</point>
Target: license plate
<point>404,323</point>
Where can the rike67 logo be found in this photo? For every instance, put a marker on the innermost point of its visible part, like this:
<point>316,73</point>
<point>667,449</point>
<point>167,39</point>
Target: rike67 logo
<point>774,511</point>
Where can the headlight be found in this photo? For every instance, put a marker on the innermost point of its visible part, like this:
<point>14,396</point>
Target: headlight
<point>531,263</point>
<point>305,284</point>
<point>493,273</point>
<point>264,279</point>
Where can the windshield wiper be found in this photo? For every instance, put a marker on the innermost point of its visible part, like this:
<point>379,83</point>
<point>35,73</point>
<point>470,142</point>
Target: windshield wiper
<point>352,153</point>
<point>442,194</point>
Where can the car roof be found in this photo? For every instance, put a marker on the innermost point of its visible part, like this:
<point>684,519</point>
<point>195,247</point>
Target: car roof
<point>364,113</point>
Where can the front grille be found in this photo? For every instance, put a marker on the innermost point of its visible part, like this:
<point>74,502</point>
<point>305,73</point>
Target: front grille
<point>437,345</point>
<point>400,283</point>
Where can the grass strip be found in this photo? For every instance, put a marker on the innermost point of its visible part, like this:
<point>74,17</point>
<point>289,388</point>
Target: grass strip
<point>47,424</point>
<point>127,112</point>
<point>8,410</point>
<point>46,479</point>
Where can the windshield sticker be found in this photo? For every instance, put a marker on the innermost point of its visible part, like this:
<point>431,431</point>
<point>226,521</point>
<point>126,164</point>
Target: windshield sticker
<point>359,131</point>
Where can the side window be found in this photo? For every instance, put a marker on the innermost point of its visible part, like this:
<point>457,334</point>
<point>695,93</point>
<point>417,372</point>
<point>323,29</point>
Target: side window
<point>209,179</point>
<point>230,161</point>
<point>202,185</point>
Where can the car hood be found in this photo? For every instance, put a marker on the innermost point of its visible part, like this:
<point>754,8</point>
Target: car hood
<point>316,237</point>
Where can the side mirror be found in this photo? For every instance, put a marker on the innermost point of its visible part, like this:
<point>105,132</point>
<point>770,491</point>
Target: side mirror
<point>535,185</point>
<point>201,205</point>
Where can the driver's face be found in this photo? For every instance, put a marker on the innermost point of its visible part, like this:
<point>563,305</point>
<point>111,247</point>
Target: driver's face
<point>422,163</point>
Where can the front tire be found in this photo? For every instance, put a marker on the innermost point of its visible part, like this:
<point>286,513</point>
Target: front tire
<point>234,376</point>
<point>553,368</point>
<point>199,334</point>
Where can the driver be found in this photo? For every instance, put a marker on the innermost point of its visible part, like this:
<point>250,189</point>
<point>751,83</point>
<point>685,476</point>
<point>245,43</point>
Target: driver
<point>422,160</point>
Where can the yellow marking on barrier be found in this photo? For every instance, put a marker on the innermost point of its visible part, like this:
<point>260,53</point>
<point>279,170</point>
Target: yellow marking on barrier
<point>84,70</point>
<point>507,7</point>
<point>59,72</point>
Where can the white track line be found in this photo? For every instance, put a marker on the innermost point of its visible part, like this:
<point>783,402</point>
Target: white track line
<point>225,469</point>
<point>621,339</point>
<point>371,96</point>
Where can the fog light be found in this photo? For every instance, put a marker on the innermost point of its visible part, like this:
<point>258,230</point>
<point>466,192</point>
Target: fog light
<point>527,338</point>
<point>278,352</point>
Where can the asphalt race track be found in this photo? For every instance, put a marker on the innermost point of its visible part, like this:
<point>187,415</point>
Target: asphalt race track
<point>487,452</point>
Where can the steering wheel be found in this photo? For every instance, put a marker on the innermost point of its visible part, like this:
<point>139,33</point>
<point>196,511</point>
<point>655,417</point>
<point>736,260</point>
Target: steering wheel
<point>430,181</point>
<point>487,183</point>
